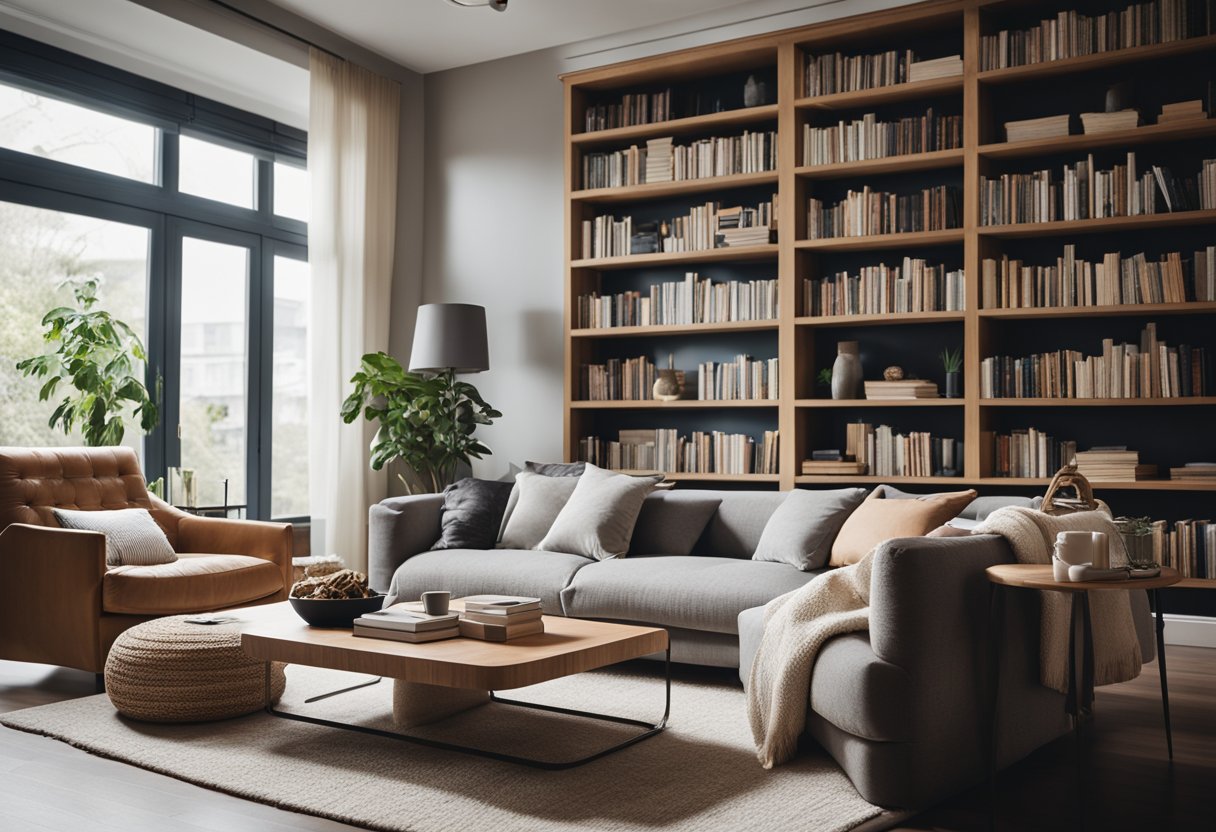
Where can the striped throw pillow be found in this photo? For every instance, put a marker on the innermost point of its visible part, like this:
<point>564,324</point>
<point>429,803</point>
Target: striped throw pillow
<point>132,536</point>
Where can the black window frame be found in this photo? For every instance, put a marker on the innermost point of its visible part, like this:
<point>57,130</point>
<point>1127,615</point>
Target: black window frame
<point>43,183</point>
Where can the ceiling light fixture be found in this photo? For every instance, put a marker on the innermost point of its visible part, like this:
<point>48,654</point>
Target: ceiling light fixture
<point>496,5</point>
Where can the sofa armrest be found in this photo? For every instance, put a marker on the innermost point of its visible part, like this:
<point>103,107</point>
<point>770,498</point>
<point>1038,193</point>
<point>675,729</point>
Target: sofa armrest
<point>398,529</point>
<point>50,597</point>
<point>220,536</point>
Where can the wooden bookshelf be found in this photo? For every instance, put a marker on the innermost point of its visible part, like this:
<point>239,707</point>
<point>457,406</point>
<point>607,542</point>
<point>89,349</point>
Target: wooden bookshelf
<point>805,343</point>
<point>678,404</point>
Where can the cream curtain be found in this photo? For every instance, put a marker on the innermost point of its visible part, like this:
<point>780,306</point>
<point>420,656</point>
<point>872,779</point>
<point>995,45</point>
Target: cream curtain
<point>353,122</point>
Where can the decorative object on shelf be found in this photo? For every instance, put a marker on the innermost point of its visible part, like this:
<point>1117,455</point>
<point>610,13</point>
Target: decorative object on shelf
<point>893,373</point>
<point>667,387</point>
<point>1137,533</point>
<point>952,363</point>
<point>1067,477</point>
<point>427,417</point>
<point>99,357</point>
<point>755,93</point>
<point>846,371</point>
<point>824,378</point>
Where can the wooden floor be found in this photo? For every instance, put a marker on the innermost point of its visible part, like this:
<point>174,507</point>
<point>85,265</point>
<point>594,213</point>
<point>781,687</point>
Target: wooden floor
<point>1127,784</point>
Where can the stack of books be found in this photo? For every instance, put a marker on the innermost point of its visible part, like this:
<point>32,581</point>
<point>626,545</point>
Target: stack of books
<point>739,226</point>
<point>500,617</point>
<point>1049,127</point>
<point>1194,471</point>
<point>658,160</point>
<point>1113,464</point>
<point>909,388</point>
<point>838,468</point>
<point>403,622</point>
<point>1110,122</point>
<point>1182,111</point>
<point>946,67</point>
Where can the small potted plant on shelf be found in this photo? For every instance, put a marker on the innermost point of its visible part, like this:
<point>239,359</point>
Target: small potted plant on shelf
<point>952,363</point>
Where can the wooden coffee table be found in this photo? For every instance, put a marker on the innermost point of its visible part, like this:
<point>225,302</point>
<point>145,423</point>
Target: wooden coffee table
<point>440,678</point>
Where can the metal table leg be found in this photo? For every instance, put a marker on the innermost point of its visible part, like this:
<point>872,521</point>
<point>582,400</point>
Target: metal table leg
<point>996,622</point>
<point>1165,688</point>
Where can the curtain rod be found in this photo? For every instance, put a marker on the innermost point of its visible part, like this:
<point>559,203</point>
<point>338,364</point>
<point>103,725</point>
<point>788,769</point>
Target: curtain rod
<point>279,29</point>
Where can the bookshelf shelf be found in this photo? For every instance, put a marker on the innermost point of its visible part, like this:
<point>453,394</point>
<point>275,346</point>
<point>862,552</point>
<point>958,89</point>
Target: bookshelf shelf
<point>907,239</point>
<point>679,404</point>
<point>1148,134</point>
<point>818,403</point>
<point>906,163</point>
<point>1195,583</point>
<point>1100,60</point>
<point>867,479</point>
<point>1122,310</point>
<point>663,258</point>
<point>659,190</point>
<point>1181,401</point>
<point>1136,485</point>
<point>882,95</point>
<point>677,126</point>
<point>677,476</point>
<point>674,329</point>
<point>1099,226</point>
<point>884,319</point>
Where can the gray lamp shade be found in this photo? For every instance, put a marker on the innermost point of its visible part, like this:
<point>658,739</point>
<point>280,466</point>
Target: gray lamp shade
<point>450,336</point>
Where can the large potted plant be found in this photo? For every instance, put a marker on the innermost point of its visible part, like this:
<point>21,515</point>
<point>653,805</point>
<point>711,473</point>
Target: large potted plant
<point>426,421</point>
<point>101,360</point>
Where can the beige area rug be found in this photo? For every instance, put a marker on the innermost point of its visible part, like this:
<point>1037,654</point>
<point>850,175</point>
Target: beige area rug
<point>701,774</point>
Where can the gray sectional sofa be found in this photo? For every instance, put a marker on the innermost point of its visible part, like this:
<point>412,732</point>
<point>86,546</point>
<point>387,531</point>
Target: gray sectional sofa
<point>901,708</point>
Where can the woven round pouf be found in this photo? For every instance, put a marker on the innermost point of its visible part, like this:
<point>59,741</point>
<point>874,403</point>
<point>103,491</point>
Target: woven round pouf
<point>167,670</point>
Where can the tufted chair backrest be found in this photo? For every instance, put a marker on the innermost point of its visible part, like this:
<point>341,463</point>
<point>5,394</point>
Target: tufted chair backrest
<point>35,480</point>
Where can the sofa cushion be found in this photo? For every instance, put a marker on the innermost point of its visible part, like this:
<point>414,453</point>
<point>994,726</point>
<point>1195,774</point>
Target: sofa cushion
<point>132,536</point>
<point>472,513</point>
<point>597,521</point>
<point>464,572</point>
<point>735,528</point>
<point>880,518</point>
<point>538,500</point>
<point>860,693</point>
<point>192,583</point>
<point>694,592</point>
<point>670,522</point>
<point>803,527</point>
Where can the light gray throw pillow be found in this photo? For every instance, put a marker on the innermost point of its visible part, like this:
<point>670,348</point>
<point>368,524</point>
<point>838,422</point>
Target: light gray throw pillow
<point>538,501</point>
<point>598,520</point>
<point>803,528</point>
<point>132,536</point>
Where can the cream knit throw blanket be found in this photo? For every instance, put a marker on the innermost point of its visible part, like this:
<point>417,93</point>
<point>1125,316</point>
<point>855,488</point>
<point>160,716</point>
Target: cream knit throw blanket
<point>1031,535</point>
<point>796,625</point>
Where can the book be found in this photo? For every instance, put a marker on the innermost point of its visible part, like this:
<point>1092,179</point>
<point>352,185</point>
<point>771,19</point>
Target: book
<point>501,617</point>
<point>364,631</point>
<point>500,632</point>
<point>946,67</point>
<point>400,617</point>
<point>1109,122</point>
<point>503,604</point>
<point>1194,471</point>
<point>1048,127</point>
<point>906,389</point>
<point>828,468</point>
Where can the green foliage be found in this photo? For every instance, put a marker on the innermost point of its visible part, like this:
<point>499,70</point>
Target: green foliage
<point>1135,526</point>
<point>99,357</point>
<point>952,360</point>
<point>825,376</point>
<point>425,421</point>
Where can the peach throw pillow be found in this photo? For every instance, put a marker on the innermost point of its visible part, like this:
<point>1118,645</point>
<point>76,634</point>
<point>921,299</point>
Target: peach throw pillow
<point>879,518</point>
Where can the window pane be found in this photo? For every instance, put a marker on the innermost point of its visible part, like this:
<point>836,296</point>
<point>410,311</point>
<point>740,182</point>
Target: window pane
<point>54,129</point>
<point>291,192</point>
<point>289,410</point>
<point>39,250</point>
<point>216,172</point>
<point>214,369</point>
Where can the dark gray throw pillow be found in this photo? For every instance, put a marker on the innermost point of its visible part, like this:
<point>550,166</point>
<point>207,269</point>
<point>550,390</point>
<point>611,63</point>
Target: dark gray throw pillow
<point>671,522</point>
<point>556,469</point>
<point>472,513</point>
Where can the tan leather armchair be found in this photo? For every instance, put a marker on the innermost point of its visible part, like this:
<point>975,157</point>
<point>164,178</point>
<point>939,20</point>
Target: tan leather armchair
<point>60,604</point>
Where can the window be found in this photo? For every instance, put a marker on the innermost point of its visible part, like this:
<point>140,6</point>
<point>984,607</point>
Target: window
<point>217,286</point>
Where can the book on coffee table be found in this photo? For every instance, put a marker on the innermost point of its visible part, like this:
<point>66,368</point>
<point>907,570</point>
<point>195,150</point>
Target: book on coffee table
<point>501,632</point>
<point>400,617</point>
<point>387,634</point>
<point>502,604</point>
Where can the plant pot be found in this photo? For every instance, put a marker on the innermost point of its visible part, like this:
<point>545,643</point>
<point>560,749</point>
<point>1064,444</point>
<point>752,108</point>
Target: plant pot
<point>667,386</point>
<point>846,371</point>
<point>954,385</point>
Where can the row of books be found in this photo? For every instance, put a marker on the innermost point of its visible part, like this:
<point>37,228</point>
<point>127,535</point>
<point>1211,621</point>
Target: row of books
<point>633,108</point>
<point>865,212</point>
<point>869,138</point>
<point>484,617</point>
<point>705,227</point>
<point>885,452</point>
<point>838,72</point>
<point>1028,452</point>
<point>1188,546</point>
<point>914,286</point>
<point>1115,280</point>
<point>1084,192</point>
<point>1149,370</point>
<point>1052,127</point>
<point>744,378</point>
<point>703,452</point>
<point>663,161</point>
<point>694,300</point>
<point>618,379</point>
<point>1071,33</point>
<point>1192,471</point>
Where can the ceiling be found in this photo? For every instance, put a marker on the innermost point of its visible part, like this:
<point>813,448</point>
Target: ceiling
<point>432,35</point>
